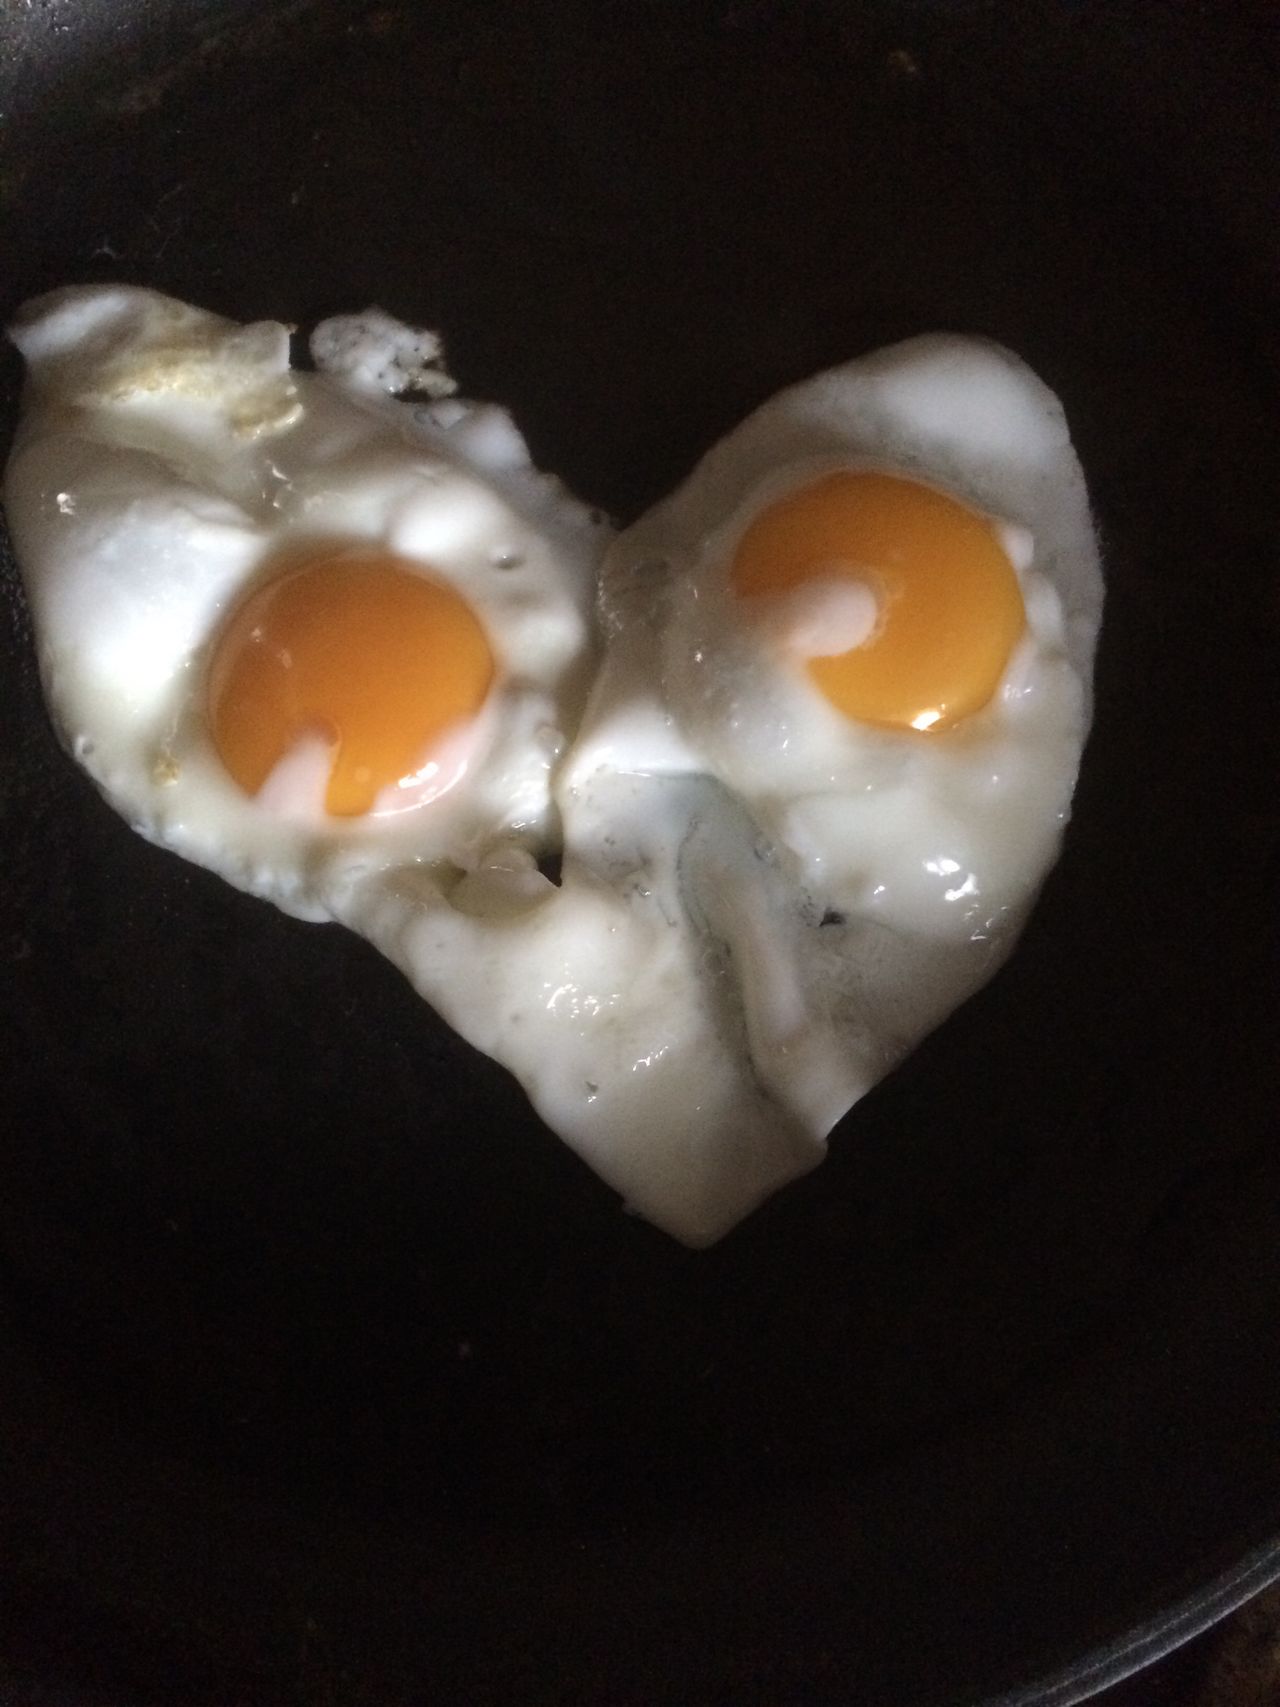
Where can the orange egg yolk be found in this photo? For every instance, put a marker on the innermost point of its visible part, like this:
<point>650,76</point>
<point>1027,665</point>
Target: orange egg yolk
<point>379,660</point>
<point>948,607</point>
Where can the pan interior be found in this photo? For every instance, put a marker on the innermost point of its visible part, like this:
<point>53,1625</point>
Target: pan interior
<point>261,1208</point>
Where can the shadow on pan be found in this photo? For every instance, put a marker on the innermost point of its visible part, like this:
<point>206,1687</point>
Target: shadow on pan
<point>329,1375</point>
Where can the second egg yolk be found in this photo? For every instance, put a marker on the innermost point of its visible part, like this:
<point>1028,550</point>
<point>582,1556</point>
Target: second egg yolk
<point>375,657</point>
<point>948,605</point>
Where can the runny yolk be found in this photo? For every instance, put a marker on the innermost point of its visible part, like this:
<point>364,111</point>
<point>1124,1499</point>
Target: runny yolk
<point>948,608</point>
<point>377,659</point>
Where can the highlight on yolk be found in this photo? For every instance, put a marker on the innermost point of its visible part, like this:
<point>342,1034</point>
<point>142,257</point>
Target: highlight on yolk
<point>377,659</point>
<point>948,605</point>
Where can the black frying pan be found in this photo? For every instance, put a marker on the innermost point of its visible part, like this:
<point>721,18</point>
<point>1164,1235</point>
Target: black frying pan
<point>328,1375</point>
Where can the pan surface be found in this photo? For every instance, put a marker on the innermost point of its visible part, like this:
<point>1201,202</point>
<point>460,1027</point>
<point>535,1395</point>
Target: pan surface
<point>328,1374</point>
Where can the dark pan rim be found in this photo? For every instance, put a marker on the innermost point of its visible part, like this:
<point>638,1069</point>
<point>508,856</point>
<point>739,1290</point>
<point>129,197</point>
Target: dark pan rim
<point>1125,1656</point>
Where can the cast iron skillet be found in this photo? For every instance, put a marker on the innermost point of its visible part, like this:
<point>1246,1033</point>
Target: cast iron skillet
<point>329,1376</point>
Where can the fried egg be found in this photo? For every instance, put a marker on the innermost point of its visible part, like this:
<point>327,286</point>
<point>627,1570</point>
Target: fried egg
<point>848,667</point>
<point>294,628</point>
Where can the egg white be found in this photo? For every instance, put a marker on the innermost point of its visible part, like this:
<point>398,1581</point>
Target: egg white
<point>599,996</point>
<point>762,906</point>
